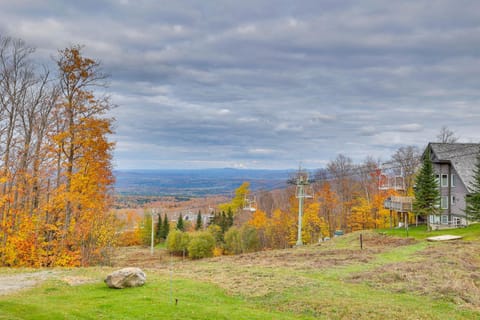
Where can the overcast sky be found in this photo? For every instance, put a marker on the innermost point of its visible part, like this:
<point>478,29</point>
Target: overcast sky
<point>269,84</point>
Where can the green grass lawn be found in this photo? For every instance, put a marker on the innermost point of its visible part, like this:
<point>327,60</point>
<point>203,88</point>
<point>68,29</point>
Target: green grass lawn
<point>159,298</point>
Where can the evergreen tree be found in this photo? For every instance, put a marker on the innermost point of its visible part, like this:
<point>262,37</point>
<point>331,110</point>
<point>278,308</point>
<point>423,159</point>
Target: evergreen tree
<point>473,200</point>
<point>229,219</point>
<point>180,225</point>
<point>427,194</point>
<point>166,227</point>
<point>199,224</point>
<point>217,219</point>
<point>159,232</point>
<point>223,222</point>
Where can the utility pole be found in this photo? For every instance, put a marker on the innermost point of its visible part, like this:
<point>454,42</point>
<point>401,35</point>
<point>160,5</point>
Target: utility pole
<point>152,240</point>
<point>301,183</point>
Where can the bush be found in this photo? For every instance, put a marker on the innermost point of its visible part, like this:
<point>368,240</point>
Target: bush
<point>216,231</point>
<point>242,240</point>
<point>177,242</point>
<point>129,238</point>
<point>217,252</point>
<point>250,239</point>
<point>233,241</point>
<point>201,245</point>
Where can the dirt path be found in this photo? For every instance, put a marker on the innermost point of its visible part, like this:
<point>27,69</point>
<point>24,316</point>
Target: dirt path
<point>16,282</point>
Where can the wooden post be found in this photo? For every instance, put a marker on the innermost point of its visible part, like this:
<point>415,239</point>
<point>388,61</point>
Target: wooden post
<point>152,238</point>
<point>406,222</point>
<point>391,222</point>
<point>361,241</point>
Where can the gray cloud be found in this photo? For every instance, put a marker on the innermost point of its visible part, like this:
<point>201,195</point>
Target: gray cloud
<point>269,83</point>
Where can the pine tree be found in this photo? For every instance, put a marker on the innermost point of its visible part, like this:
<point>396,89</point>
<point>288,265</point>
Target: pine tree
<point>473,200</point>
<point>159,232</point>
<point>427,194</point>
<point>199,224</point>
<point>166,227</point>
<point>180,225</point>
<point>229,219</point>
<point>223,222</point>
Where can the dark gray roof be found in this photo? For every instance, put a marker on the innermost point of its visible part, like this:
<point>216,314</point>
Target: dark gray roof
<point>462,156</point>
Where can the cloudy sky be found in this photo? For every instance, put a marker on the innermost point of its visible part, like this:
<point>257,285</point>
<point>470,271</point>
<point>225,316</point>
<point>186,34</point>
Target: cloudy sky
<point>269,84</point>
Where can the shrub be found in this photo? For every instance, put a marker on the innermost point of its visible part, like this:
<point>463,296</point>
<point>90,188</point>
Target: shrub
<point>233,241</point>
<point>129,238</point>
<point>201,245</point>
<point>177,242</point>
<point>242,240</point>
<point>216,231</point>
<point>217,252</point>
<point>250,239</point>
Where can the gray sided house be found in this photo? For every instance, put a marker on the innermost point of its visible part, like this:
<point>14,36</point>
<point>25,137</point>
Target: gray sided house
<point>453,164</point>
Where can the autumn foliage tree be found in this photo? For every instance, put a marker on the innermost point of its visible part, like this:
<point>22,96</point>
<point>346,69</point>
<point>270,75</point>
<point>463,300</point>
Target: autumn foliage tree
<point>314,227</point>
<point>238,201</point>
<point>260,221</point>
<point>56,176</point>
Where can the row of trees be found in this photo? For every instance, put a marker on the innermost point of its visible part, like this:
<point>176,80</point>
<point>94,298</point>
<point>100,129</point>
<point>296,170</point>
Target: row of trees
<point>55,159</point>
<point>347,197</point>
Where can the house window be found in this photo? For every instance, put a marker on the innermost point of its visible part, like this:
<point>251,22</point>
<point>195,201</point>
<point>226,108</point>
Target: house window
<point>453,201</point>
<point>434,219</point>
<point>453,180</point>
<point>444,180</point>
<point>444,219</point>
<point>437,179</point>
<point>444,202</point>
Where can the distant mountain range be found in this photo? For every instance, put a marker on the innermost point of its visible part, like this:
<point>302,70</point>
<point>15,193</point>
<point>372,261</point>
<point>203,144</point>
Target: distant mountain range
<point>196,183</point>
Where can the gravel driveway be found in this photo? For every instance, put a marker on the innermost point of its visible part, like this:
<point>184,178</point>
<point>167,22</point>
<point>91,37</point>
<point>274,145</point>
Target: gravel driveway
<point>16,282</point>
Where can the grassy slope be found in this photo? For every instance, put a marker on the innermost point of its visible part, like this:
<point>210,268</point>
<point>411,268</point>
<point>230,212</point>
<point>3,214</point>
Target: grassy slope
<point>391,278</point>
<point>420,232</point>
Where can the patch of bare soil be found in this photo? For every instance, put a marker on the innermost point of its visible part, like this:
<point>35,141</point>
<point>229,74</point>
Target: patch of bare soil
<point>384,242</point>
<point>140,257</point>
<point>443,270</point>
<point>21,281</point>
<point>78,280</point>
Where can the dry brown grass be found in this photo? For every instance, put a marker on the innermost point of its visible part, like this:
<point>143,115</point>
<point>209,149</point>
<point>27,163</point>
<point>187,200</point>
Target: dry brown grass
<point>139,256</point>
<point>261,273</point>
<point>448,270</point>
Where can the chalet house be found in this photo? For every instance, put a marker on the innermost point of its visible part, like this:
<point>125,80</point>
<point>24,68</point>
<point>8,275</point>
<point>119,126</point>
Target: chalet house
<point>453,164</point>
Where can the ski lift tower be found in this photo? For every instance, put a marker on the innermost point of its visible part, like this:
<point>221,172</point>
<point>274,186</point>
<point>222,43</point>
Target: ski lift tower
<point>302,183</point>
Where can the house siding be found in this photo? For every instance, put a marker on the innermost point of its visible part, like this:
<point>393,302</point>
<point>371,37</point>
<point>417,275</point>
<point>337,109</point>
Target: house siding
<point>450,191</point>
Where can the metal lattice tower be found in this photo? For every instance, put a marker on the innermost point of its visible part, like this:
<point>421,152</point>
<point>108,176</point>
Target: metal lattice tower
<point>302,183</point>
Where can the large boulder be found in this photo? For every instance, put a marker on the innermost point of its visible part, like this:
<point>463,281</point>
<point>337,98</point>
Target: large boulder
<point>126,277</point>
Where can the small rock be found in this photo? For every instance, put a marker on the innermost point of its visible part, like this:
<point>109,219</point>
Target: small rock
<point>126,277</point>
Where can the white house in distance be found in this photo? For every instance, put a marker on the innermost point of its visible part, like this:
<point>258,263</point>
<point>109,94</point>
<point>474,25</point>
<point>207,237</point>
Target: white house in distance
<point>453,164</point>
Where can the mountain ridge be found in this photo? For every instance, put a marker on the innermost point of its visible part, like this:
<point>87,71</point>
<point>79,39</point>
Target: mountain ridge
<point>196,182</point>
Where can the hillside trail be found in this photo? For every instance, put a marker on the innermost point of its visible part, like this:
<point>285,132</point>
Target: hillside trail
<point>16,282</point>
